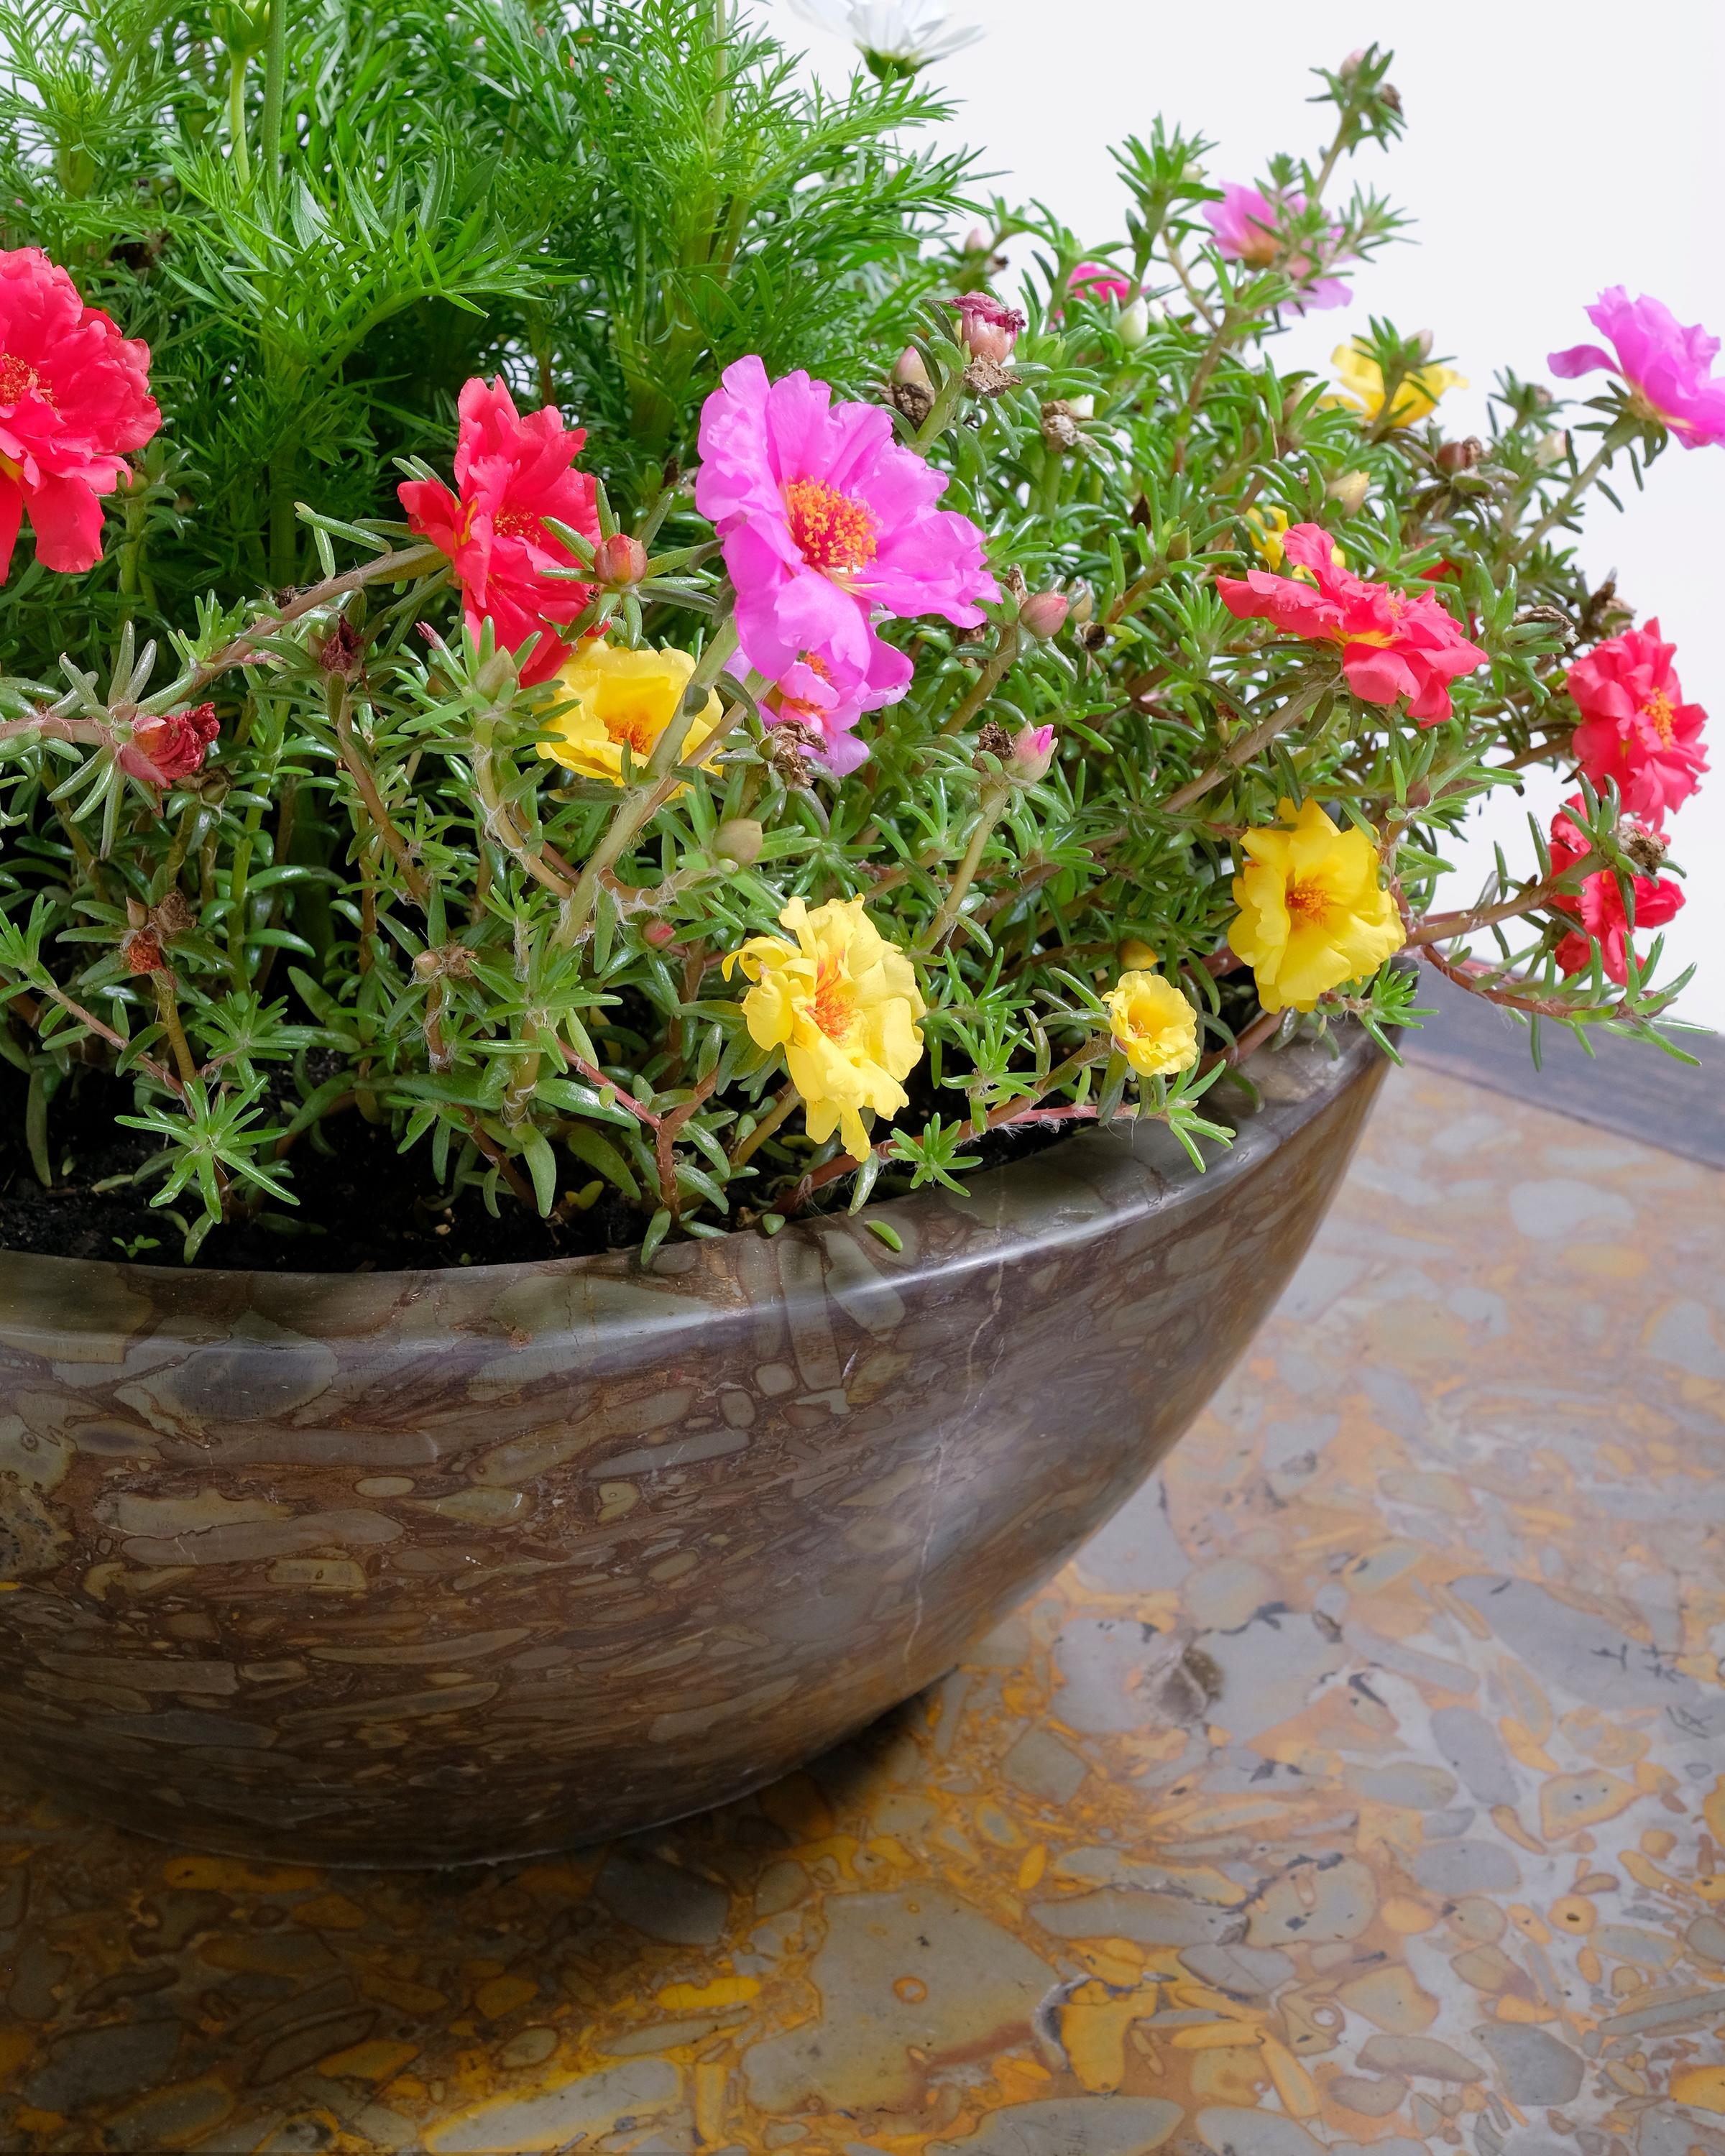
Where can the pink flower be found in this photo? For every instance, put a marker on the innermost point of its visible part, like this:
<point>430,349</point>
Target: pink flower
<point>828,698</point>
<point>1394,644</point>
<point>1032,752</point>
<point>75,397</point>
<point>1247,222</point>
<point>1667,366</point>
<point>825,519</point>
<point>1096,280</point>
<point>1635,729</point>
<point>510,474</point>
<point>986,329</point>
<point>1600,904</point>
<point>162,750</point>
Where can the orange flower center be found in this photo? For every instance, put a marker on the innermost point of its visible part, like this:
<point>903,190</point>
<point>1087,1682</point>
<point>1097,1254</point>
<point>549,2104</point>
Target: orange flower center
<point>17,377</point>
<point>518,524</point>
<point>830,1006</point>
<point>636,727</point>
<point>1307,903</point>
<point>1661,712</point>
<point>835,534</point>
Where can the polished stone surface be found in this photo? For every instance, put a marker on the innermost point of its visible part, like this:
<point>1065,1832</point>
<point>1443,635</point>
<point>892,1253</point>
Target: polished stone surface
<point>1361,1786</point>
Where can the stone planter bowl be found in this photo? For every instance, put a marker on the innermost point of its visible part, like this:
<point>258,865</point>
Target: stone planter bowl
<point>433,1568</point>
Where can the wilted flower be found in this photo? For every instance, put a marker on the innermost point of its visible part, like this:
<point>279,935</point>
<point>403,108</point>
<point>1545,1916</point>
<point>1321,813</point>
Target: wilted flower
<point>1312,913</point>
<point>1598,906</point>
<point>894,37</point>
<point>1667,366</point>
<point>1635,729</point>
<point>511,473</point>
<point>1394,644</point>
<point>1246,223</point>
<point>1154,1027</point>
<point>75,397</point>
<point>1416,394</point>
<point>165,749</point>
<point>827,698</point>
<point>986,329</point>
<point>824,518</point>
<point>843,1003</point>
<point>622,699</point>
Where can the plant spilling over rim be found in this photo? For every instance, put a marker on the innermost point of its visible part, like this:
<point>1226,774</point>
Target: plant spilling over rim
<point>903,715</point>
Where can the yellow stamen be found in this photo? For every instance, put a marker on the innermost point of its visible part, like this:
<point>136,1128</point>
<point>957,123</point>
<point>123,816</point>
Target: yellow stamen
<point>834,533</point>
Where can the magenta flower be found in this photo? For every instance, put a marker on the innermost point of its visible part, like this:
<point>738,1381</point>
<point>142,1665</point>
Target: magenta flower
<point>1096,280</point>
<point>1247,225</point>
<point>826,520</point>
<point>986,329</point>
<point>829,697</point>
<point>1668,367</point>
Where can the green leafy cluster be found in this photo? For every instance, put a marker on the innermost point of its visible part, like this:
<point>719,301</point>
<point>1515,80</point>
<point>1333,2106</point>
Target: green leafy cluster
<point>377,899</point>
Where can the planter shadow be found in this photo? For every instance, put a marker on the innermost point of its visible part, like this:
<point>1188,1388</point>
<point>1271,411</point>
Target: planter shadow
<point>433,1568</point>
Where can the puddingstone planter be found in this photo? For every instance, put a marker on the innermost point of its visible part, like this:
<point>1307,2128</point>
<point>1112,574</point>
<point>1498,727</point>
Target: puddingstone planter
<point>433,1568</point>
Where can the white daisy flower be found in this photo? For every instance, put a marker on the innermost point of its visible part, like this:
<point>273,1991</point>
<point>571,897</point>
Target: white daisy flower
<point>894,37</point>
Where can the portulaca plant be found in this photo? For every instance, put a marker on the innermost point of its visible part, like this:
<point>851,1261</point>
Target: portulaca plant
<point>915,717</point>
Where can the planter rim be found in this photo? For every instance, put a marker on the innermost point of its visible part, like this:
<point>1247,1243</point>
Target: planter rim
<point>1066,1191</point>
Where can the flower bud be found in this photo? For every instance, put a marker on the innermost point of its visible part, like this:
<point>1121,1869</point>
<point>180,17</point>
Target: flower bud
<point>1083,604</point>
<point>1136,956</point>
<point>1349,491</point>
<point>1460,456</point>
<point>1134,324</point>
<point>1045,613</point>
<point>1032,753</point>
<point>1551,449</point>
<point>1423,342</point>
<point>1178,547</point>
<point>739,838</point>
<point>986,329</point>
<point>657,934</point>
<point>620,560</point>
<point>909,368</point>
<point>910,388</point>
<point>500,676</point>
<point>1351,66</point>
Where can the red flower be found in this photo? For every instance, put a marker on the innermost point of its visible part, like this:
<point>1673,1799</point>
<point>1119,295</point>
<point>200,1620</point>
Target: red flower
<point>1635,728</point>
<point>163,750</point>
<point>511,474</point>
<point>1394,644</point>
<point>1599,906</point>
<point>75,395</point>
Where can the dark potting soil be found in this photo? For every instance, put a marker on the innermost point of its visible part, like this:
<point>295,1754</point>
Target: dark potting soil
<point>363,1206</point>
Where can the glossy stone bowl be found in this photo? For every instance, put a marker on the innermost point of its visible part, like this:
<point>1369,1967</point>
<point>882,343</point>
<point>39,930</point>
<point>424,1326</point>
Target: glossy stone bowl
<point>428,1568</point>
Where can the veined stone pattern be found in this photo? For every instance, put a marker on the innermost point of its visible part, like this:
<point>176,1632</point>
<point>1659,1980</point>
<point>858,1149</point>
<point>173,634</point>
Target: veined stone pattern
<point>1361,1786</point>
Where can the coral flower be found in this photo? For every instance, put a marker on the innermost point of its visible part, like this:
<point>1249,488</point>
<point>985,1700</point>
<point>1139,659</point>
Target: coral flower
<point>1635,729</point>
<point>825,519</point>
<point>75,397</point>
<point>1668,366</point>
<point>164,749</point>
<point>1154,1027</point>
<point>843,1003</point>
<point>1097,281</point>
<point>1312,913</point>
<point>622,699</point>
<point>511,473</point>
<point>1598,906</point>
<point>1246,224</point>
<point>827,698</point>
<point>1416,396</point>
<point>1394,644</point>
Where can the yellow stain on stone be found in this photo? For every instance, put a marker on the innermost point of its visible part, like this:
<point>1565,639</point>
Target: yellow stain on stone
<point>796,1806</point>
<point>1511,2006</point>
<point>233,1875</point>
<point>1292,2083</point>
<point>1093,2025</point>
<point>1606,1260</point>
<point>1032,1866</point>
<point>17,2046</point>
<point>1391,1999</point>
<point>1519,1742</point>
<point>330,1912</point>
<point>711,2076</point>
<point>1702,2087</point>
<point>502,1994</point>
<point>722,1991</point>
<point>376,2060</point>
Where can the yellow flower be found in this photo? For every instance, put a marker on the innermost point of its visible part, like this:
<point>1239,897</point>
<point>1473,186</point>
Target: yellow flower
<point>621,696</point>
<point>1362,380</point>
<point>1155,1029</point>
<point>1268,525</point>
<point>1311,911</point>
<point>1135,955</point>
<point>842,1003</point>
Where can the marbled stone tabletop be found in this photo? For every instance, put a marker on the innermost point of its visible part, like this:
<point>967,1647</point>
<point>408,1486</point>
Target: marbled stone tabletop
<point>1360,1787</point>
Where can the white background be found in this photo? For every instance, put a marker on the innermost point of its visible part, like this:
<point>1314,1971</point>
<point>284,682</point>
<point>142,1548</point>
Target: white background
<point>1551,150</point>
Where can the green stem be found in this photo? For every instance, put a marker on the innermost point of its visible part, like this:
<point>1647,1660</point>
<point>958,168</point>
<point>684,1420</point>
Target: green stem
<point>274,83</point>
<point>996,793</point>
<point>1614,440</point>
<point>237,149</point>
